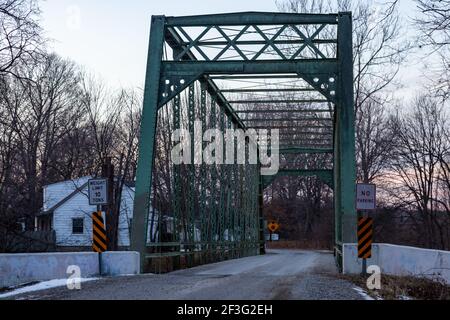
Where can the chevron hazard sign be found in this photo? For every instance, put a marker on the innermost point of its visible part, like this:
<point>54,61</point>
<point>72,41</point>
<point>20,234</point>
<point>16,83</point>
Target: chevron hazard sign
<point>99,239</point>
<point>365,235</point>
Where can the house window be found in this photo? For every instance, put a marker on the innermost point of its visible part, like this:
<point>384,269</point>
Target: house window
<point>78,226</point>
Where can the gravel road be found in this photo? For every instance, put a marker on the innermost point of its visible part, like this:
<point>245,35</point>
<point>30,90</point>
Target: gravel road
<point>281,274</point>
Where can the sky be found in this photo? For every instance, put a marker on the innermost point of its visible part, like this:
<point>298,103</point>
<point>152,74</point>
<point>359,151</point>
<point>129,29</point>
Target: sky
<point>110,37</point>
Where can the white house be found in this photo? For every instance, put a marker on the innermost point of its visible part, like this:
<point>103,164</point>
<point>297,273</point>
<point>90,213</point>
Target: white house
<point>66,210</point>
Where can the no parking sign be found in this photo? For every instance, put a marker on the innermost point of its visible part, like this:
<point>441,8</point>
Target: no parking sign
<point>365,196</point>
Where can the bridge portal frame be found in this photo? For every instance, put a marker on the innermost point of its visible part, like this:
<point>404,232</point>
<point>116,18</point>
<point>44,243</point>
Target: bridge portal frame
<point>314,71</point>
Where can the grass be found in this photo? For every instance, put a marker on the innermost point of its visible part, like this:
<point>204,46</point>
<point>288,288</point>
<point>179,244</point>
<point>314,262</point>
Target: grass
<point>399,288</point>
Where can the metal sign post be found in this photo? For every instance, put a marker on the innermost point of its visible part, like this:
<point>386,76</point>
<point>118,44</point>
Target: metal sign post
<point>273,226</point>
<point>98,196</point>
<point>365,201</point>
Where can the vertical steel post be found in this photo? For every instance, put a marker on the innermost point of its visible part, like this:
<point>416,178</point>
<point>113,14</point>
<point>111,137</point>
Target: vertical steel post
<point>203,182</point>
<point>345,172</point>
<point>262,247</point>
<point>147,139</point>
<point>192,187</point>
<point>212,246</point>
<point>255,207</point>
<point>176,187</point>
<point>223,190</point>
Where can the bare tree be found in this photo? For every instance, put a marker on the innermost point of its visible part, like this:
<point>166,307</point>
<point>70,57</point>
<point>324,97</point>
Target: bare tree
<point>10,191</point>
<point>125,152</point>
<point>421,140</point>
<point>21,40</point>
<point>113,124</point>
<point>37,111</point>
<point>374,143</point>
<point>433,23</point>
<point>41,113</point>
<point>442,196</point>
<point>379,42</point>
<point>379,49</point>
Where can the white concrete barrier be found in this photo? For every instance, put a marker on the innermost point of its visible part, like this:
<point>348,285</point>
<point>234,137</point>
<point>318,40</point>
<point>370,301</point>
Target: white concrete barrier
<point>22,268</point>
<point>120,263</point>
<point>400,260</point>
<point>16,269</point>
<point>350,262</point>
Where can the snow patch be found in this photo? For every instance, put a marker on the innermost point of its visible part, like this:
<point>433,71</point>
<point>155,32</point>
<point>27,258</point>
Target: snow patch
<point>42,286</point>
<point>363,293</point>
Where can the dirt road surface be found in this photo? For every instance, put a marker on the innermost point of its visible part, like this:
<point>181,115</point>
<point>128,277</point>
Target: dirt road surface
<point>281,274</point>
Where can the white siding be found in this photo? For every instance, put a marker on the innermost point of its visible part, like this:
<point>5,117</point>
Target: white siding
<point>54,193</point>
<point>126,213</point>
<point>78,207</point>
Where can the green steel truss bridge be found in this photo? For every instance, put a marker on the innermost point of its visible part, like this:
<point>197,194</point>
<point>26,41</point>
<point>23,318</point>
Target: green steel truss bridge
<point>252,70</point>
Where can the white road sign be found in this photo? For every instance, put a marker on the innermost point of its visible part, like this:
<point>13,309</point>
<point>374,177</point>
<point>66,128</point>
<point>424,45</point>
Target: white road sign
<point>365,197</point>
<point>98,192</point>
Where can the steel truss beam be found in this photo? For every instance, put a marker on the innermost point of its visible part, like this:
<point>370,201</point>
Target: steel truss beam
<point>309,67</point>
<point>288,127</point>
<point>254,77</point>
<point>302,150</point>
<point>326,176</point>
<point>278,101</point>
<point>288,119</point>
<point>267,90</point>
<point>251,18</point>
<point>167,78</point>
<point>283,111</point>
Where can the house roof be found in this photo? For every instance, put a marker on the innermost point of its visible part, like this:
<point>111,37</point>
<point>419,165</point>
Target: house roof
<point>64,200</point>
<point>78,189</point>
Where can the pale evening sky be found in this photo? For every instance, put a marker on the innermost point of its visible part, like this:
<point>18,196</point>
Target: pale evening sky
<point>110,37</point>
